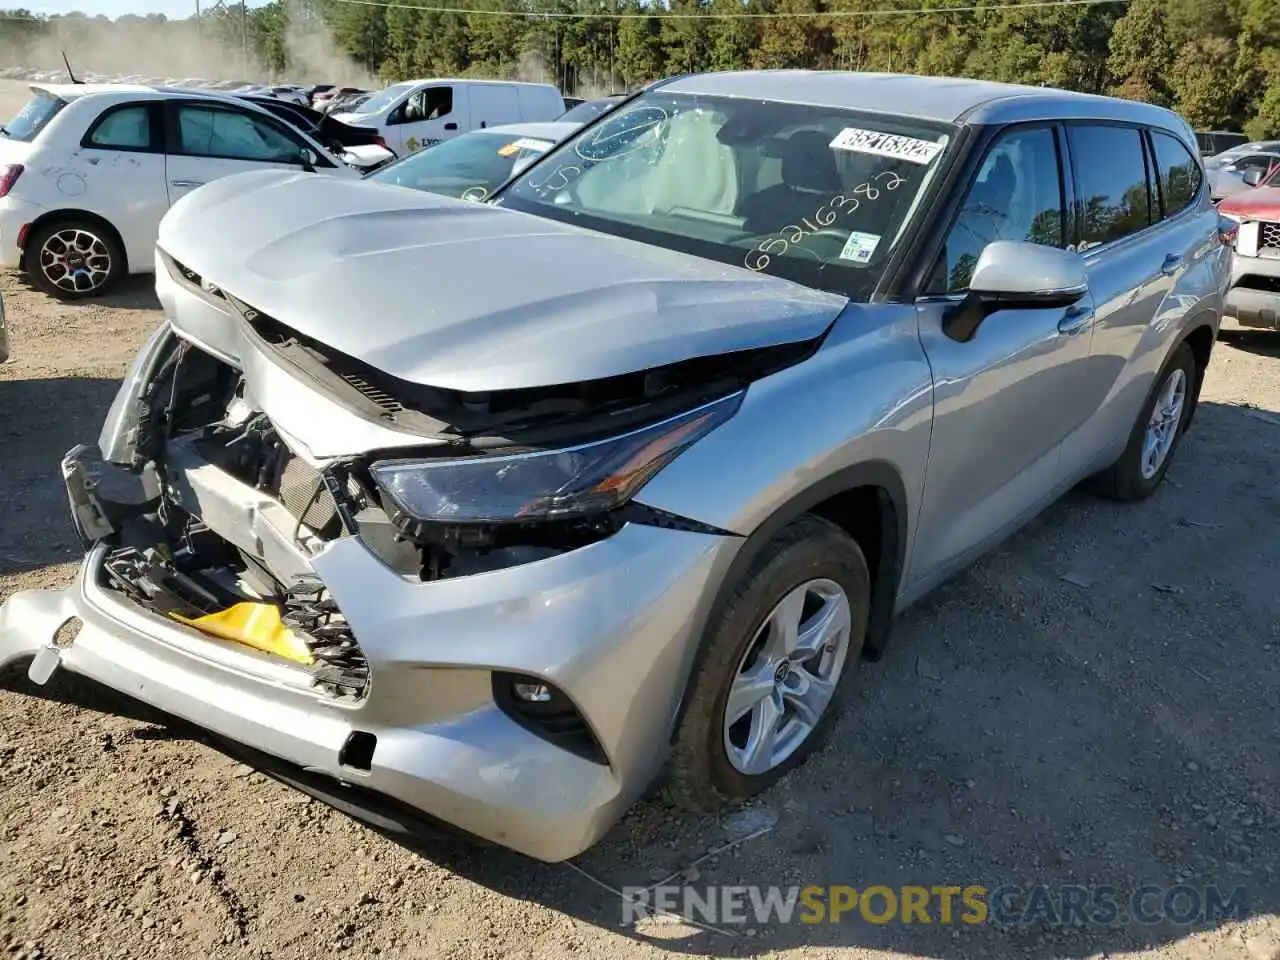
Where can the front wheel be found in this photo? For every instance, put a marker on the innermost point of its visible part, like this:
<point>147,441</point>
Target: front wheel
<point>73,259</point>
<point>770,681</point>
<point>1156,434</point>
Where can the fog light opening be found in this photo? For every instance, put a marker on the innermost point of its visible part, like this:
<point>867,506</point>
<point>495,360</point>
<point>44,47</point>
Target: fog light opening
<point>532,692</point>
<point>544,709</point>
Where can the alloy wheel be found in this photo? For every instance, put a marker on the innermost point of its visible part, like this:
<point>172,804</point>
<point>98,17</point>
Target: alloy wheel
<point>75,260</point>
<point>787,677</point>
<point>1162,427</point>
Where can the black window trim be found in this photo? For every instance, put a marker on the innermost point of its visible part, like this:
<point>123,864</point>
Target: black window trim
<point>173,137</point>
<point>958,190</point>
<point>154,119</point>
<point>1140,129</point>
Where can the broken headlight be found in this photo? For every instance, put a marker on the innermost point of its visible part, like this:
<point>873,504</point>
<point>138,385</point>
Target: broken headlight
<point>546,485</point>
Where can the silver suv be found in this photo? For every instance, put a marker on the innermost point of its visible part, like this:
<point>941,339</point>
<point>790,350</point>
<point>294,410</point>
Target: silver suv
<point>494,514</point>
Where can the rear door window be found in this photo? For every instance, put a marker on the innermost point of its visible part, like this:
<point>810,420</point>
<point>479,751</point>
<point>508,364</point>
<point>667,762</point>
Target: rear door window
<point>1177,171</point>
<point>122,128</point>
<point>1112,192</point>
<point>34,116</point>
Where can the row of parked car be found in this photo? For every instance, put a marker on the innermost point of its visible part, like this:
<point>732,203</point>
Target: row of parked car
<point>87,170</point>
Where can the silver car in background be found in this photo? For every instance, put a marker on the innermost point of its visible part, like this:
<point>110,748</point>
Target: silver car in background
<point>492,514</point>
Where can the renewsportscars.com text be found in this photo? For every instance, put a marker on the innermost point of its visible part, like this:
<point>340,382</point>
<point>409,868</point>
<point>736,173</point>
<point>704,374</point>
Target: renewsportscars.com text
<point>970,905</point>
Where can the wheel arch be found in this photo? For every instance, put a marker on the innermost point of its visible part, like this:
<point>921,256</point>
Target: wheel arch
<point>66,214</point>
<point>869,502</point>
<point>1200,338</point>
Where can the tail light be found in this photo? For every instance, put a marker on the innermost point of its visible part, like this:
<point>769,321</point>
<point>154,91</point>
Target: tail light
<point>1228,231</point>
<point>9,175</point>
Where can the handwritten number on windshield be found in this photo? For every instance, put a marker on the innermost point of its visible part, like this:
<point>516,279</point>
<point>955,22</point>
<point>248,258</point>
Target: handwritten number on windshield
<point>557,179</point>
<point>760,256</point>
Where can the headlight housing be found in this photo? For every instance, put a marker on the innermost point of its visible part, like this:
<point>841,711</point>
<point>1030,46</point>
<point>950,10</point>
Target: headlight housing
<point>547,484</point>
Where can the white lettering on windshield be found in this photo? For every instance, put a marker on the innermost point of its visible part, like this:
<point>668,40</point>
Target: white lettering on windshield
<point>777,244</point>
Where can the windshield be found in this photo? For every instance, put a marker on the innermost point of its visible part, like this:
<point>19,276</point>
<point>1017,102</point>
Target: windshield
<point>815,194</point>
<point>34,117</point>
<point>1235,153</point>
<point>588,110</point>
<point>380,101</point>
<point>469,166</point>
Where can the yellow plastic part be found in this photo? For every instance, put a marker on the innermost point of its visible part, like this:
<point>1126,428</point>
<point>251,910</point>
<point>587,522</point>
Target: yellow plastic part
<point>256,625</point>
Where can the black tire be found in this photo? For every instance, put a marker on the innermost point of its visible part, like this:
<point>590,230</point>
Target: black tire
<point>701,776</point>
<point>101,259</point>
<point>1124,479</point>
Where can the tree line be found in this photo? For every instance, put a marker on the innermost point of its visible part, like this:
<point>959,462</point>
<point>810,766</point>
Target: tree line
<point>1217,62</point>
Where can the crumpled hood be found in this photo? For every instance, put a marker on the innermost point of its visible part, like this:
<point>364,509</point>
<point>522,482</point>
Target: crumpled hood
<point>467,296</point>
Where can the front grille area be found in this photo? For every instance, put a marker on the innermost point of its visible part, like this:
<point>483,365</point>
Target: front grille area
<point>341,669</point>
<point>1269,236</point>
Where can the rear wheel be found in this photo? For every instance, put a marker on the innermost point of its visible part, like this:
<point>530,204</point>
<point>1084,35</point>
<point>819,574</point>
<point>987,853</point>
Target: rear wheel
<point>1155,435</point>
<point>775,668</point>
<point>72,259</point>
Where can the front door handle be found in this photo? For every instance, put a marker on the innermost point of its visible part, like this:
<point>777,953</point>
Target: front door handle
<point>1075,322</point>
<point>186,183</point>
<point>1170,265</point>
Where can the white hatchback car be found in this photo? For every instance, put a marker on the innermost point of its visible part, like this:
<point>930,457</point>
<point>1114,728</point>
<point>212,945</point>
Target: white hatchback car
<point>88,170</point>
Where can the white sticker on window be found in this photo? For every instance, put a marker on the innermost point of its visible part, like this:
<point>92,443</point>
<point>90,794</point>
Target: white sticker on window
<point>886,145</point>
<point>860,246</point>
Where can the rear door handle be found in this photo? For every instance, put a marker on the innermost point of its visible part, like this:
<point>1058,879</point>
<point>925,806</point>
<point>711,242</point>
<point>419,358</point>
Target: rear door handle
<point>186,183</point>
<point>1170,265</point>
<point>1075,322</point>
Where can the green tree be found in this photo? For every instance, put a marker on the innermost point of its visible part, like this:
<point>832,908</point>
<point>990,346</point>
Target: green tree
<point>1200,93</point>
<point>1141,55</point>
<point>732,40</point>
<point>639,53</point>
<point>794,38</point>
<point>685,36</point>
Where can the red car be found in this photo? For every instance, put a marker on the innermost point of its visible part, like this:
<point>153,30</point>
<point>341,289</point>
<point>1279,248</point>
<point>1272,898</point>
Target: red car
<point>1254,297</point>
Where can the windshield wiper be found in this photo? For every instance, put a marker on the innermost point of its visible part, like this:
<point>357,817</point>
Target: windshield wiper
<point>4,129</point>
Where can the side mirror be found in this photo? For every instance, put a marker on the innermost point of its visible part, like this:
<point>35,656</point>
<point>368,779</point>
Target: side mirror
<point>1012,275</point>
<point>307,157</point>
<point>1252,177</point>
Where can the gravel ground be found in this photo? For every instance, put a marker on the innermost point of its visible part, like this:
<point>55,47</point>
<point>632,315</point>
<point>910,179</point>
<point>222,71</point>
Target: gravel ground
<point>1094,703</point>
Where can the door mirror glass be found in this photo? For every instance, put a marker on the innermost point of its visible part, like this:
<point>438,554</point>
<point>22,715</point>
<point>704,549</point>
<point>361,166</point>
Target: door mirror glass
<point>1252,177</point>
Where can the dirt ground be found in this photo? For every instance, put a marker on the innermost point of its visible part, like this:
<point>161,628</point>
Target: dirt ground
<point>1095,703</point>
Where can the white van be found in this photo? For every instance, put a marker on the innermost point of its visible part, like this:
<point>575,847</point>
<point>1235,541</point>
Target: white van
<point>417,113</point>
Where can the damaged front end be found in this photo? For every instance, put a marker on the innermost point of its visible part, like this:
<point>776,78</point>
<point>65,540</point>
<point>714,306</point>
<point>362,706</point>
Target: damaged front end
<point>211,522</point>
<point>212,513</point>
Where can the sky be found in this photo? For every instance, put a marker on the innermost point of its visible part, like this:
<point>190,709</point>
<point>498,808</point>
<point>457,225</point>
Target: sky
<point>114,8</point>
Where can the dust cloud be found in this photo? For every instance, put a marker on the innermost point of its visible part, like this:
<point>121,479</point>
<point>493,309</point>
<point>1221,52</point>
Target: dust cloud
<point>178,49</point>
